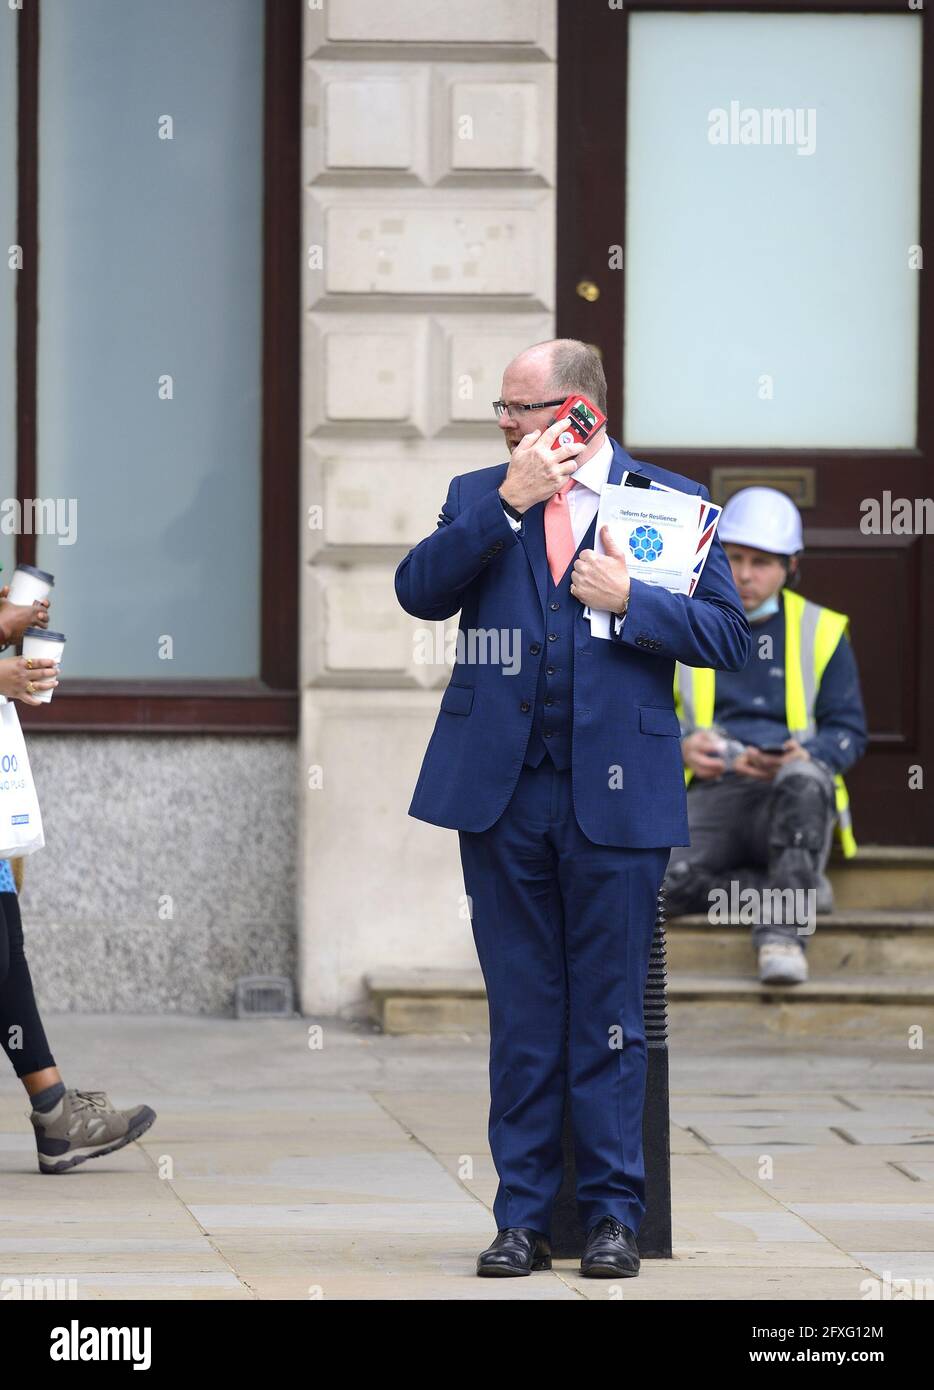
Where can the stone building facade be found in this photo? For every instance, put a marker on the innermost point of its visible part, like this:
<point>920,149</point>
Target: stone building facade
<point>428,217</point>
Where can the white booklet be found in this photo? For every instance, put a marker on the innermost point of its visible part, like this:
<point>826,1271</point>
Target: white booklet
<point>666,534</point>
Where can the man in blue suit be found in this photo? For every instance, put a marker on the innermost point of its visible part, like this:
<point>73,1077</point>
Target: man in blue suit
<point>560,768</point>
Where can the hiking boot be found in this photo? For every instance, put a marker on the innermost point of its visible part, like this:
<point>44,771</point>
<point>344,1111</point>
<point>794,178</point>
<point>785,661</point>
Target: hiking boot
<point>83,1124</point>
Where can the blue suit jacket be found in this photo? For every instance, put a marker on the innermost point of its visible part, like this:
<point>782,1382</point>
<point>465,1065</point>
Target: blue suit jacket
<point>624,725</point>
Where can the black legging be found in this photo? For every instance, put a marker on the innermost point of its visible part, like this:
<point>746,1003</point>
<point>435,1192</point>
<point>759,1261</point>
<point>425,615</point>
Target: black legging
<point>21,1031</point>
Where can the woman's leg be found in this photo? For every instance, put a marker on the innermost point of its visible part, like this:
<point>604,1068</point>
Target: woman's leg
<point>70,1126</point>
<point>21,1033</point>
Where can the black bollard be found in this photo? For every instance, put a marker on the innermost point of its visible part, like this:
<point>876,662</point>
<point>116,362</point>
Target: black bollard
<point>654,1236</point>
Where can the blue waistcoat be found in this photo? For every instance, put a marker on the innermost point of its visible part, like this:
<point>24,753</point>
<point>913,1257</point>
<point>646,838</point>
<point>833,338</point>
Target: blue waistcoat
<point>552,721</point>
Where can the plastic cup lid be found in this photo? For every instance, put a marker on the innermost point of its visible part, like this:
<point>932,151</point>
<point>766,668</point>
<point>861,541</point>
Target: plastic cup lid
<point>37,574</point>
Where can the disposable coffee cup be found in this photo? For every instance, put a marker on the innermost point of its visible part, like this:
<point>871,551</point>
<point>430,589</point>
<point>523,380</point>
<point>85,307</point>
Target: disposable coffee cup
<point>38,643</point>
<point>28,584</point>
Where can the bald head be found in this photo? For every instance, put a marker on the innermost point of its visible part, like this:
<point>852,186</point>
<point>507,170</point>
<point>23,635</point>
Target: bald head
<point>535,360</point>
<point>551,371</point>
<point>559,367</point>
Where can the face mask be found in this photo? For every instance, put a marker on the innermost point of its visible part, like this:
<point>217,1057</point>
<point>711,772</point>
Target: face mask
<point>765,609</point>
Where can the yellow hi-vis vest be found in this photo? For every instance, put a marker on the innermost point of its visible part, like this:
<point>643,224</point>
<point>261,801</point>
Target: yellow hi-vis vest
<point>811,636</point>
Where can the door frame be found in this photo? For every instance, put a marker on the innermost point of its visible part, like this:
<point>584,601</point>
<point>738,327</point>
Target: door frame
<point>591,218</point>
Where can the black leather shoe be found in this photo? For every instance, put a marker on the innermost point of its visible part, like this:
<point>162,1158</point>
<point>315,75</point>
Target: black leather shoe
<point>611,1251</point>
<point>516,1250</point>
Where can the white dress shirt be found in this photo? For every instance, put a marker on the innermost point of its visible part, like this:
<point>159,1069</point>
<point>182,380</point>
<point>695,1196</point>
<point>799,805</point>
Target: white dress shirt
<point>583,501</point>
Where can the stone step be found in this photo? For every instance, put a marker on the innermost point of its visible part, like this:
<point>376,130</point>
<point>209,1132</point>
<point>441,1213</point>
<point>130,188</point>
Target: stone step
<point>866,961</point>
<point>897,1009</point>
<point>868,942</point>
<point>854,989</point>
<point>843,1001</point>
<point>884,876</point>
<point>428,1001</point>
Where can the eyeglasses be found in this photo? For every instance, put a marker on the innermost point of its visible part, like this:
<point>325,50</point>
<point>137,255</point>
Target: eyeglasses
<point>500,408</point>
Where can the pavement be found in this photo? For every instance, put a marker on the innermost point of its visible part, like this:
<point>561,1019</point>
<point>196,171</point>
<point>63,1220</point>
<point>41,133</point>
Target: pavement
<point>301,1158</point>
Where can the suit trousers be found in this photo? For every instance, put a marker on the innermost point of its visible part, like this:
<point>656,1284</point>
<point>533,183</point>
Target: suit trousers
<point>563,929</point>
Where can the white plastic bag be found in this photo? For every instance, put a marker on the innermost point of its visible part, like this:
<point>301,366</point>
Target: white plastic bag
<point>20,820</point>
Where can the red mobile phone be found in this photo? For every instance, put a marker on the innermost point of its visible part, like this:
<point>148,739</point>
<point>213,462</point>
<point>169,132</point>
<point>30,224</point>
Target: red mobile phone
<point>585,420</point>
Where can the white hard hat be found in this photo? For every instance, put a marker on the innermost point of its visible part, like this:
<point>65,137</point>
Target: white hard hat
<point>764,518</point>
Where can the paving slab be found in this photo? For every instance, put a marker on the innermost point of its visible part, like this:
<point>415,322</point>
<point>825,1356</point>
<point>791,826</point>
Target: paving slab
<point>359,1168</point>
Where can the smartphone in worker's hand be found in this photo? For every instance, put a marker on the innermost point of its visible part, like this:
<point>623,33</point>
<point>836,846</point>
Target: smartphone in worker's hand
<point>585,419</point>
<point>774,750</point>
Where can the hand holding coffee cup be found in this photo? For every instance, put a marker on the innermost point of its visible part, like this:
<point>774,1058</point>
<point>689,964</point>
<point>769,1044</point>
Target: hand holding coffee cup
<point>30,679</point>
<point>41,649</point>
<point>26,602</point>
<point>29,585</point>
<point>16,618</point>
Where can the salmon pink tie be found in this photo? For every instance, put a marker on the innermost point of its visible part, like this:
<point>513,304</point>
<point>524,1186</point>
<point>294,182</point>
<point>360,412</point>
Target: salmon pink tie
<point>559,533</point>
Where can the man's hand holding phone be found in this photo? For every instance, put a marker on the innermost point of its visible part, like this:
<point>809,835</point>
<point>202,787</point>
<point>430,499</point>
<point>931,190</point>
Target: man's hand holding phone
<point>537,470</point>
<point>764,763</point>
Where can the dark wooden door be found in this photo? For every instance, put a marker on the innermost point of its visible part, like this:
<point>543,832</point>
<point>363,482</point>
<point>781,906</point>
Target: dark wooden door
<point>886,581</point>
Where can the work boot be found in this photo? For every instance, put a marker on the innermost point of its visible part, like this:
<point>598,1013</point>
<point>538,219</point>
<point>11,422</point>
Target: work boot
<point>782,963</point>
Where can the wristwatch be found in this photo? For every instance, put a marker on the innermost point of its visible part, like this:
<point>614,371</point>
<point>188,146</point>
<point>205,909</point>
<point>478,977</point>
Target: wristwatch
<point>508,508</point>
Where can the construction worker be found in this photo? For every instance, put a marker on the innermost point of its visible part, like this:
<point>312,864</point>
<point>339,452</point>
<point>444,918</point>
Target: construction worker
<point>764,748</point>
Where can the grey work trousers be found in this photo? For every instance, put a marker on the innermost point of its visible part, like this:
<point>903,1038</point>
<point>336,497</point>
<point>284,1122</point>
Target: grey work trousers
<point>745,833</point>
